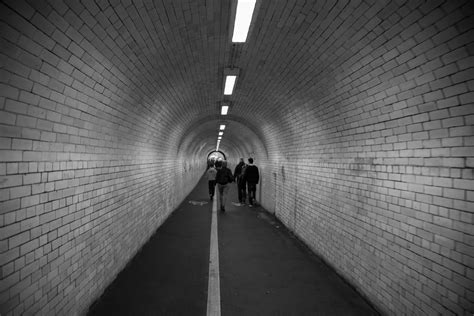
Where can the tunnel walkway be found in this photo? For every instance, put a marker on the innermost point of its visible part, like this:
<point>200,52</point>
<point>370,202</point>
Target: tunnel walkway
<point>263,269</point>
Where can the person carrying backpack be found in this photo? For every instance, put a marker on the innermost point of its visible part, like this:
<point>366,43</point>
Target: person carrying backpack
<point>223,178</point>
<point>211,179</point>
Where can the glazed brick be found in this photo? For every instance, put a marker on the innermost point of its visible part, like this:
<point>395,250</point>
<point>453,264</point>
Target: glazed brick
<point>377,114</point>
<point>16,107</point>
<point>5,143</point>
<point>11,155</point>
<point>18,192</point>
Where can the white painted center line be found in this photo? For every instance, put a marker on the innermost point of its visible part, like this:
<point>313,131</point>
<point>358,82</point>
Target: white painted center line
<point>214,289</point>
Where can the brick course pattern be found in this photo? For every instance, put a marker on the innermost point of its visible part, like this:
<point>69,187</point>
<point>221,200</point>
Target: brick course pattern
<point>359,114</point>
<point>372,165</point>
<point>88,169</point>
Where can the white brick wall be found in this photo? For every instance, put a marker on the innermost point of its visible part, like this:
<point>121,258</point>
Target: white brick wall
<point>88,170</point>
<point>359,115</point>
<point>374,172</point>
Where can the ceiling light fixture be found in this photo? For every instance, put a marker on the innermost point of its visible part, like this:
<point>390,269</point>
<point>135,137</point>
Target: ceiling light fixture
<point>243,17</point>
<point>221,133</point>
<point>230,77</point>
<point>222,127</point>
<point>224,109</point>
<point>229,84</point>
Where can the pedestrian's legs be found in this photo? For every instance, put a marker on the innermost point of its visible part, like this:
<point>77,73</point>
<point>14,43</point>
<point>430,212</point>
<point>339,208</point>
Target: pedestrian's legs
<point>212,187</point>
<point>249,188</point>
<point>242,189</point>
<point>239,190</point>
<point>252,187</point>
<point>222,195</point>
<point>219,187</point>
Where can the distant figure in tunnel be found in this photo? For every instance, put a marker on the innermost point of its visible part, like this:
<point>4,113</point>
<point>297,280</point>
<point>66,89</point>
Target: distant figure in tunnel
<point>239,178</point>
<point>223,178</point>
<point>251,176</point>
<point>211,179</point>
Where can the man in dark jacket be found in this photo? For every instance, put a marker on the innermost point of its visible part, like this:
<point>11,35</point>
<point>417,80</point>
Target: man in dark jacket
<point>223,178</point>
<point>239,177</point>
<point>251,176</point>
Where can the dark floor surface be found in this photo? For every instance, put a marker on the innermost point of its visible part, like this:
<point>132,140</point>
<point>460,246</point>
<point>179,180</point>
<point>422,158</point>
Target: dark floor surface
<point>264,270</point>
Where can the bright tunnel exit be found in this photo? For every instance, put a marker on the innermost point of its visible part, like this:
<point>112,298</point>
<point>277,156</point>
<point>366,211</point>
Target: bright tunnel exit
<point>214,156</point>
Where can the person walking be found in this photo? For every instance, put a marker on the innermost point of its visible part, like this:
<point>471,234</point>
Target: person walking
<point>239,178</point>
<point>211,179</point>
<point>223,178</point>
<point>252,177</point>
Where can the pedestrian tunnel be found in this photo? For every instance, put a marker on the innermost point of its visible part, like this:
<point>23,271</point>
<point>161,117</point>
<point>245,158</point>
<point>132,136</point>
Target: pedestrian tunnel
<point>358,114</point>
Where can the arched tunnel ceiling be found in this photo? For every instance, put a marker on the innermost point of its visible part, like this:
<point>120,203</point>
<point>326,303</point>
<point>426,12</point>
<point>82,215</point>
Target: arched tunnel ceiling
<point>168,57</point>
<point>167,60</point>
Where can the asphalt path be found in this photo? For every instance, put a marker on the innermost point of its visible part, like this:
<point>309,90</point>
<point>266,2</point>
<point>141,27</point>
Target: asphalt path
<point>262,268</point>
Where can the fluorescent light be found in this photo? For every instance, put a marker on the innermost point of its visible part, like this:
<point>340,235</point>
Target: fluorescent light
<point>224,109</point>
<point>230,79</point>
<point>222,127</point>
<point>219,138</point>
<point>229,84</point>
<point>221,133</point>
<point>243,17</point>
